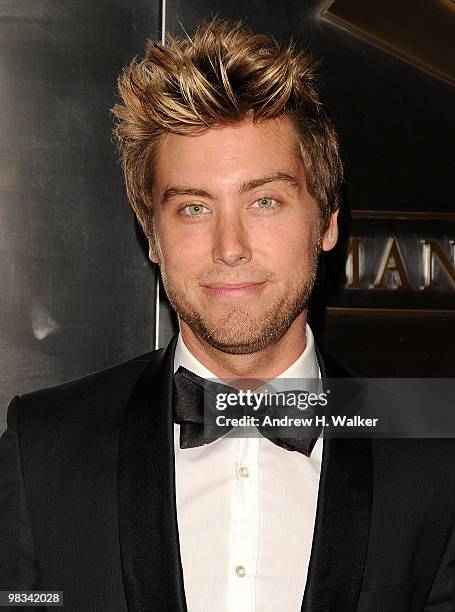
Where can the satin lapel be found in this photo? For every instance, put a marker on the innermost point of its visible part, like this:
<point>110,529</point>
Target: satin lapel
<point>149,540</point>
<point>343,514</point>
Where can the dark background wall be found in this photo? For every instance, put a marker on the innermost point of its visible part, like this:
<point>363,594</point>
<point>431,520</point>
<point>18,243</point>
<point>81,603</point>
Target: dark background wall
<point>78,293</point>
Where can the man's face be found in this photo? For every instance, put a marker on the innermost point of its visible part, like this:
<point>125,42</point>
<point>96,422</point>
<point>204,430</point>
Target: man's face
<point>237,233</point>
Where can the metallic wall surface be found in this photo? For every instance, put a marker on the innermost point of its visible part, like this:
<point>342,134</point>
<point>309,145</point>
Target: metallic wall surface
<point>77,291</point>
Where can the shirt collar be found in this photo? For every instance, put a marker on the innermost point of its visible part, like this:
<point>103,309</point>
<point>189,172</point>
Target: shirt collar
<point>305,366</point>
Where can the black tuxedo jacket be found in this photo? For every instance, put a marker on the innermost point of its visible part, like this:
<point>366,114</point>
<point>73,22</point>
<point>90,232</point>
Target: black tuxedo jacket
<point>87,504</point>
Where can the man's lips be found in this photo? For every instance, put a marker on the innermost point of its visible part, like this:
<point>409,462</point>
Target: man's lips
<point>233,289</point>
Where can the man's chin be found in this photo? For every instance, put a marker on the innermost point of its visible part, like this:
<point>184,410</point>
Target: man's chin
<point>235,340</point>
<point>236,348</point>
<point>241,330</point>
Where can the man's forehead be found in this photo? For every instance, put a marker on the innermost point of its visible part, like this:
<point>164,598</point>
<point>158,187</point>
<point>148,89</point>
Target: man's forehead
<point>234,154</point>
<point>280,128</point>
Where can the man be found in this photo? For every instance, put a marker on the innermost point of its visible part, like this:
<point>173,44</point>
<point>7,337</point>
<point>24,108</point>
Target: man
<point>107,491</point>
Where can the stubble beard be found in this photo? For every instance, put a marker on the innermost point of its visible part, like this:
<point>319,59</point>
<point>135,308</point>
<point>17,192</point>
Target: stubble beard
<point>238,330</point>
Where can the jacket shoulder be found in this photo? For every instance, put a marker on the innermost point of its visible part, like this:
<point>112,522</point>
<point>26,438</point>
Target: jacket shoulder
<point>99,396</point>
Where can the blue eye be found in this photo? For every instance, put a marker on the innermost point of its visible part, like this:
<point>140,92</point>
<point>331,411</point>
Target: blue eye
<point>194,210</point>
<point>266,203</point>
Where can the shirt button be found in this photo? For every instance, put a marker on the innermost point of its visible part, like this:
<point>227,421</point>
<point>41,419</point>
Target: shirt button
<point>240,571</point>
<point>244,471</point>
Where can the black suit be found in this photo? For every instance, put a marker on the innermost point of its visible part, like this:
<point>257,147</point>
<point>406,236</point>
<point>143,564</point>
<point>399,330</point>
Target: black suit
<point>87,502</point>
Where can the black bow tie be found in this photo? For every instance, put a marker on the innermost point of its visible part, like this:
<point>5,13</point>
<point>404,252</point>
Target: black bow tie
<point>196,429</point>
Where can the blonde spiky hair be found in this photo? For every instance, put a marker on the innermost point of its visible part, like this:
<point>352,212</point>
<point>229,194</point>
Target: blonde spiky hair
<point>222,75</point>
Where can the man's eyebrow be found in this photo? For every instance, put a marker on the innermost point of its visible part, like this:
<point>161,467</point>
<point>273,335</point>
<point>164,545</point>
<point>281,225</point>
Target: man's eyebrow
<point>272,177</point>
<point>177,190</point>
<point>249,185</point>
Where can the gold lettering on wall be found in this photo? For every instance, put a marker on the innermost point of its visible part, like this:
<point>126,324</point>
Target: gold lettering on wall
<point>413,265</point>
<point>392,263</point>
<point>431,248</point>
<point>353,263</point>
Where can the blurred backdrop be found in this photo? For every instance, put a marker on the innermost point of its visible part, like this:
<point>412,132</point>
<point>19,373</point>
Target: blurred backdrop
<point>77,291</point>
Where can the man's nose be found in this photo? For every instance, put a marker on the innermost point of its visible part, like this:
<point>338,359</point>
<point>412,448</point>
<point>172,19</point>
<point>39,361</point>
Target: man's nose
<point>230,242</point>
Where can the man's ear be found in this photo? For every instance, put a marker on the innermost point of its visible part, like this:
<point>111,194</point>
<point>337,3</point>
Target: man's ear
<point>154,255</point>
<point>154,251</point>
<point>330,237</point>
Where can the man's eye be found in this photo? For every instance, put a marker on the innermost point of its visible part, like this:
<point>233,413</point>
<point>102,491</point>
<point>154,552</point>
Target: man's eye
<point>194,210</point>
<point>266,203</point>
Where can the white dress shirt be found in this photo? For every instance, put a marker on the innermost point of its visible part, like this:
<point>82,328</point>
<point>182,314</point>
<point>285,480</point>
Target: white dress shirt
<point>246,510</point>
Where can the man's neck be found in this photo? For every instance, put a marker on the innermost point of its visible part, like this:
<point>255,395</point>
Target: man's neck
<point>264,364</point>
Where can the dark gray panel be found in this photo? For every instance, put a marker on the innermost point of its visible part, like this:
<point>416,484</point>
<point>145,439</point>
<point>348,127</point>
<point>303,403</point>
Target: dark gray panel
<point>77,289</point>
